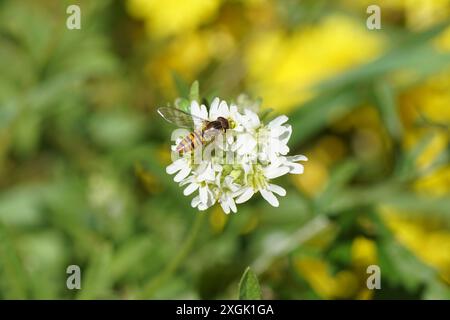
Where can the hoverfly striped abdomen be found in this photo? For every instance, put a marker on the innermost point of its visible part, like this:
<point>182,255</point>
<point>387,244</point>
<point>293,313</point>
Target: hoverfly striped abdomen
<point>191,141</point>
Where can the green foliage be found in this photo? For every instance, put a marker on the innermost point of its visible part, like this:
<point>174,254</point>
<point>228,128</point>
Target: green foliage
<point>249,286</point>
<point>83,156</point>
<point>194,94</point>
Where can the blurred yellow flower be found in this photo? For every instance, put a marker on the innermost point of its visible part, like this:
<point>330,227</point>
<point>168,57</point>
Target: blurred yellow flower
<point>172,17</point>
<point>316,272</point>
<point>327,151</point>
<point>425,110</point>
<point>421,14</point>
<point>443,41</point>
<point>364,252</point>
<point>430,100</point>
<point>437,144</point>
<point>435,184</point>
<point>283,67</point>
<point>313,180</point>
<point>190,54</point>
<point>429,240</point>
<point>346,283</point>
<point>217,219</point>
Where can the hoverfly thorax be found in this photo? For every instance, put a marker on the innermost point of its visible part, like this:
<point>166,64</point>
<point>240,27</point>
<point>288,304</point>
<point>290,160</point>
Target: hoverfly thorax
<point>220,124</point>
<point>224,122</point>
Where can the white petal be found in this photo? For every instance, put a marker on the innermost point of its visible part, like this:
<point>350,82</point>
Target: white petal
<point>277,189</point>
<point>195,108</point>
<point>233,205</point>
<point>275,160</point>
<point>240,141</point>
<point>214,108</point>
<point>195,202</point>
<point>263,156</point>
<point>252,118</point>
<point>225,207</point>
<point>270,197</point>
<point>276,131</point>
<point>278,121</point>
<point>227,203</point>
<point>223,109</point>
<point>186,181</point>
<point>273,173</point>
<point>184,172</point>
<point>230,137</point>
<point>245,144</point>
<point>200,112</point>
<point>203,112</point>
<point>296,158</point>
<point>176,166</point>
<point>203,193</point>
<point>286,135</point>
<point>208,173</point>
<point>283,149</point>
<point>296,168</point>
<point>246,195</point>
<point>246,166</point>
<point>211,198</point>
<point>190,189</point>
<point>239,119</point>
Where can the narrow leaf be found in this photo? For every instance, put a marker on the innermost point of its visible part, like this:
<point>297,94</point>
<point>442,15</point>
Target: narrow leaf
<point>386,104</point>
<point>249,286</point>
<point>194,93</point>
<point>181,85</point>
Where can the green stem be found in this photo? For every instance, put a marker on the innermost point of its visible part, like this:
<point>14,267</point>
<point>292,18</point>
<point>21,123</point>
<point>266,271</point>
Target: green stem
<point>172,266</point>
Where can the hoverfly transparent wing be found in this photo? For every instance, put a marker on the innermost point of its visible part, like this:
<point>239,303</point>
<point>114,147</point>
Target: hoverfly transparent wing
<point>211,133</point>
<point>179,118</point>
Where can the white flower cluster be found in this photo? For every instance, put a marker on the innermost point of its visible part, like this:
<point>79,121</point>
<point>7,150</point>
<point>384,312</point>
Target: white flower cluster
<point>244,160</point>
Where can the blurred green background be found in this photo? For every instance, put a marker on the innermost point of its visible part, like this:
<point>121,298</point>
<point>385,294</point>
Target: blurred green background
<point>83,152</point>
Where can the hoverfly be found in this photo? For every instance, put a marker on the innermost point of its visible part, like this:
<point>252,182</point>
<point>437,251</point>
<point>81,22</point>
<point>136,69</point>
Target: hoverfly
<point>200,135</point>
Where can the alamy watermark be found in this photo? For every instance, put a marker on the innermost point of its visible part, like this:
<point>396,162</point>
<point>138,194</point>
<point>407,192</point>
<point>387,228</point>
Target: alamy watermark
<point>374,280</point>
<point>373,22</point>
<point>73,21</point>
<point>74,279</point>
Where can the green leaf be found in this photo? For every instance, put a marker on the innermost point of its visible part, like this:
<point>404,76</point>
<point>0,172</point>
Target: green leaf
<point>27,133</point>
<point>21,205</point>
<point>265,113</point>
<point>194,93</point>
<point>183,104</point>
<point>249,286</point>
<point>308,119</point>
<point>128,255</point>
<point>437,291</point>
<point>97,282</point>
<point>340,176</point>
<point>386,104</point>
<point>181,85</point>
<point>406,166</point>
<point>402,267</point>
<point>13,275</point>
<point>388,193</point>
